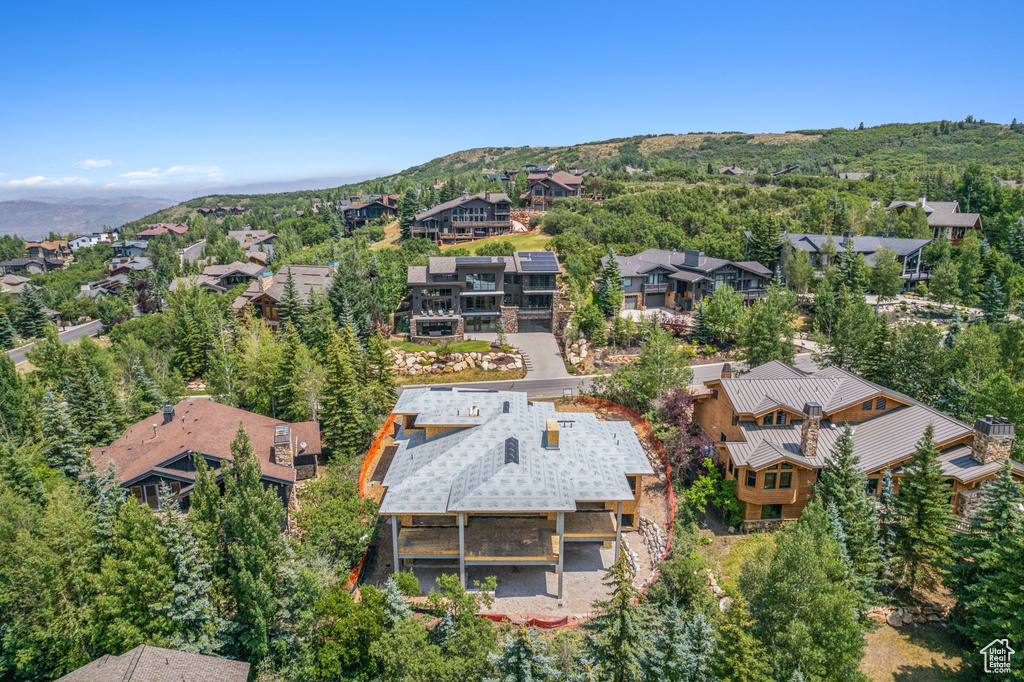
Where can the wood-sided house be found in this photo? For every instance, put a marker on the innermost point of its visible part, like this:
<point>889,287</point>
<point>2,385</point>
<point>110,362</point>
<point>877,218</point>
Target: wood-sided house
<point>774,427</point>
<point>944,217</point>
<point>544,188</point>
<point>267,290</point>
<point>490,478</point>
<point>163,448</point>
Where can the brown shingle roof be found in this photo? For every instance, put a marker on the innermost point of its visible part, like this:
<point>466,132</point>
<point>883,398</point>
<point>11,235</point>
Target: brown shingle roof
<point>147,663</point>
<point>200,425</point>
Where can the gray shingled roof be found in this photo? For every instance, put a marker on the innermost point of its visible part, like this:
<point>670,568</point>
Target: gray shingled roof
<point>673,261</point>
<point>147,663</point>
<point>865,245</point>
<point>466,468</point>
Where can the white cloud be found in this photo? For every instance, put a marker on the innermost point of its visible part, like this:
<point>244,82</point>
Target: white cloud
<point>90,164</point>
<point>43,181</point>
<point>174,174</point>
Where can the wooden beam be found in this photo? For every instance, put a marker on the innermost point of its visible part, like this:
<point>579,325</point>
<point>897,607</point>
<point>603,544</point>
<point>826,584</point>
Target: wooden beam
<point>560,523</point>
<point>394,542</point>
<point>618,529</point>
<point>462,548</point>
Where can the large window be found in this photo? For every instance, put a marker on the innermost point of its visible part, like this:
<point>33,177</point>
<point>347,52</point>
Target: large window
<point>751,479</point>
<point>480,281</point>
<point>480,304</point>
<point>148,494</point>
<point>627,281</point>
<point>771,512</point>
<point>437,292</point>
<point>785,480</point>
<point>538,281</point>
<point>539,301</point>
<point>770,479</point>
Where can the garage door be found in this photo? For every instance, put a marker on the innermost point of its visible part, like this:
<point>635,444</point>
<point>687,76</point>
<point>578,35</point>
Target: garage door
<point>654,300</point>
<point>540,325</point>
<point>629,303</point>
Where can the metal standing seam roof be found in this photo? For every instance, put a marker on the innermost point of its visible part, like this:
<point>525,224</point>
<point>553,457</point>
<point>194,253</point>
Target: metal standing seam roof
<point>466,468</point>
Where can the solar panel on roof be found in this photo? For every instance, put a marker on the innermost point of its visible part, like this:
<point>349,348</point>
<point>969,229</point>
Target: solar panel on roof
<point>462,260</point>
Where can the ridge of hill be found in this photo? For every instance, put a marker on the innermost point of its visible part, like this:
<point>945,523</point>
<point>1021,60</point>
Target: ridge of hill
<point>895,149</point>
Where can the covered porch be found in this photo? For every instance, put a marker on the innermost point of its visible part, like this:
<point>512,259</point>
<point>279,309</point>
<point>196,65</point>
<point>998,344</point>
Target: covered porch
<point>485,540</point>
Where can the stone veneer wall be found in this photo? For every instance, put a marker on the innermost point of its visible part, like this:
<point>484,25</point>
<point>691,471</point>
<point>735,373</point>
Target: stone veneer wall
<point>809,432</point>
<point>510,318</point>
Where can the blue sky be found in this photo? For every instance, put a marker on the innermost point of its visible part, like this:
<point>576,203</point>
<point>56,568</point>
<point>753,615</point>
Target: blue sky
<point>140,96</point>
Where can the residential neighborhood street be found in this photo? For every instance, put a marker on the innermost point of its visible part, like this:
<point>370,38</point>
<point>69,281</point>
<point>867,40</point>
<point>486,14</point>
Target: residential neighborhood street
<point>72,334</point>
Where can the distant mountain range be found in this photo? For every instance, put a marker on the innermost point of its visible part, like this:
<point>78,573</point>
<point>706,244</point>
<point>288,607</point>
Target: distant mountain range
<point>37,217</point>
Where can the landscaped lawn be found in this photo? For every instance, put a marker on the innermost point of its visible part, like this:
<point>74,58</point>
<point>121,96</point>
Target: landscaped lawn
<point>726,554</point>
<point>464,347</point>
<point>923,654</point>
<point>534,241</point>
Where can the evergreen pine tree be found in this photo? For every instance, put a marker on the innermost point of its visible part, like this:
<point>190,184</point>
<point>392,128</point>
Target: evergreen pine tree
<point>145,398</point>
<point>196,626</point>
<point>15,409</point>
<point>396,608</point>
<point>6,332</point>
<point>87,398</point>
<point>609,286</point>
<point>342,412</point>
<point>953,330</point>
<point>408,206</point>
<point>680,649</point>
<point>993,301</point>
<point>987,572</point>
<point>1015,242</point>
<point>878,362</point>
<point>523,658</point>
<point>252,519</point>
<point>63,447</point>
<point>382,391</point>
<point>701,333</point>
<point>738,654</point>
<point>763,244</point>
<point>205,508</point>
<point>922,535</point>
<point>289,310</point>
<point>617,640</point>
<point>289,395</point>
<point>107,495</point>
<point>888,517</point>
<point>841,484</point>
<point>32,322</point>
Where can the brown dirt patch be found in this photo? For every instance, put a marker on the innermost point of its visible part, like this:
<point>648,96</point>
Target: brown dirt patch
<point>923,654</point>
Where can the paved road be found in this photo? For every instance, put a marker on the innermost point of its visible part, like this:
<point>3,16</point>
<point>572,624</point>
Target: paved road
<point>554,388</point>
<point>72,334</point>
<point>193,252</point>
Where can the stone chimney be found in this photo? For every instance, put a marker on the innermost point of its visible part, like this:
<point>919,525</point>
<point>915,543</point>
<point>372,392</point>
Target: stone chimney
<point>727,371</point>
<point>923,200</point>
<point>265,280</point>
<point>487,195</point>
<point>168,414</point>
<point>993,438</point>
<point>283,454</point>
<point>692,259</point>
<point>810,429</point>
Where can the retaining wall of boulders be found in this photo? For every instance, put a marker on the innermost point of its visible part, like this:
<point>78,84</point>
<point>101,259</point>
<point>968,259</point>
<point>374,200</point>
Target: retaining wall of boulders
<point>898,616</point>
<point>429,362</point>
<point>578,352</point>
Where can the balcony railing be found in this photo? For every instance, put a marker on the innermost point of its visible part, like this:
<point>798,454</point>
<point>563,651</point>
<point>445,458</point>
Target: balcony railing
<point>655,288</point>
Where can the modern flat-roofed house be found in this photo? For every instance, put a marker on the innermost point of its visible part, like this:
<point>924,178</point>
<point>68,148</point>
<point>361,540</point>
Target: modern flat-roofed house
<point>163,448</point>
<point>146,663</point>
<point>267,290</point>
<point>57,249</point>
<point>909,252</point>
<point>464,219</point>
<point>944,217</point>
<point>129,248</point>
<point>544,188</point>
<point>161,228</point>
<point>31,266</point>
<point>655,278</point>
<point>89,240</point>
<point>220,278</point>
<point>774,426</point>
<point>365,209</point>
<point>490,478</point>
<point>452,296</point>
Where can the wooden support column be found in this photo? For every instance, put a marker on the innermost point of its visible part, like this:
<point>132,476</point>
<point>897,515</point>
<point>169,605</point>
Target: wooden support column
<point>561,549</point>
<point>394,542</point>
<point>462,548</point>
<point>618,529</point>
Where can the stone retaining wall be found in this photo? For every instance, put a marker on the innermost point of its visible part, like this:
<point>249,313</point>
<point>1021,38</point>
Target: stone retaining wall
<point>428,362</point>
